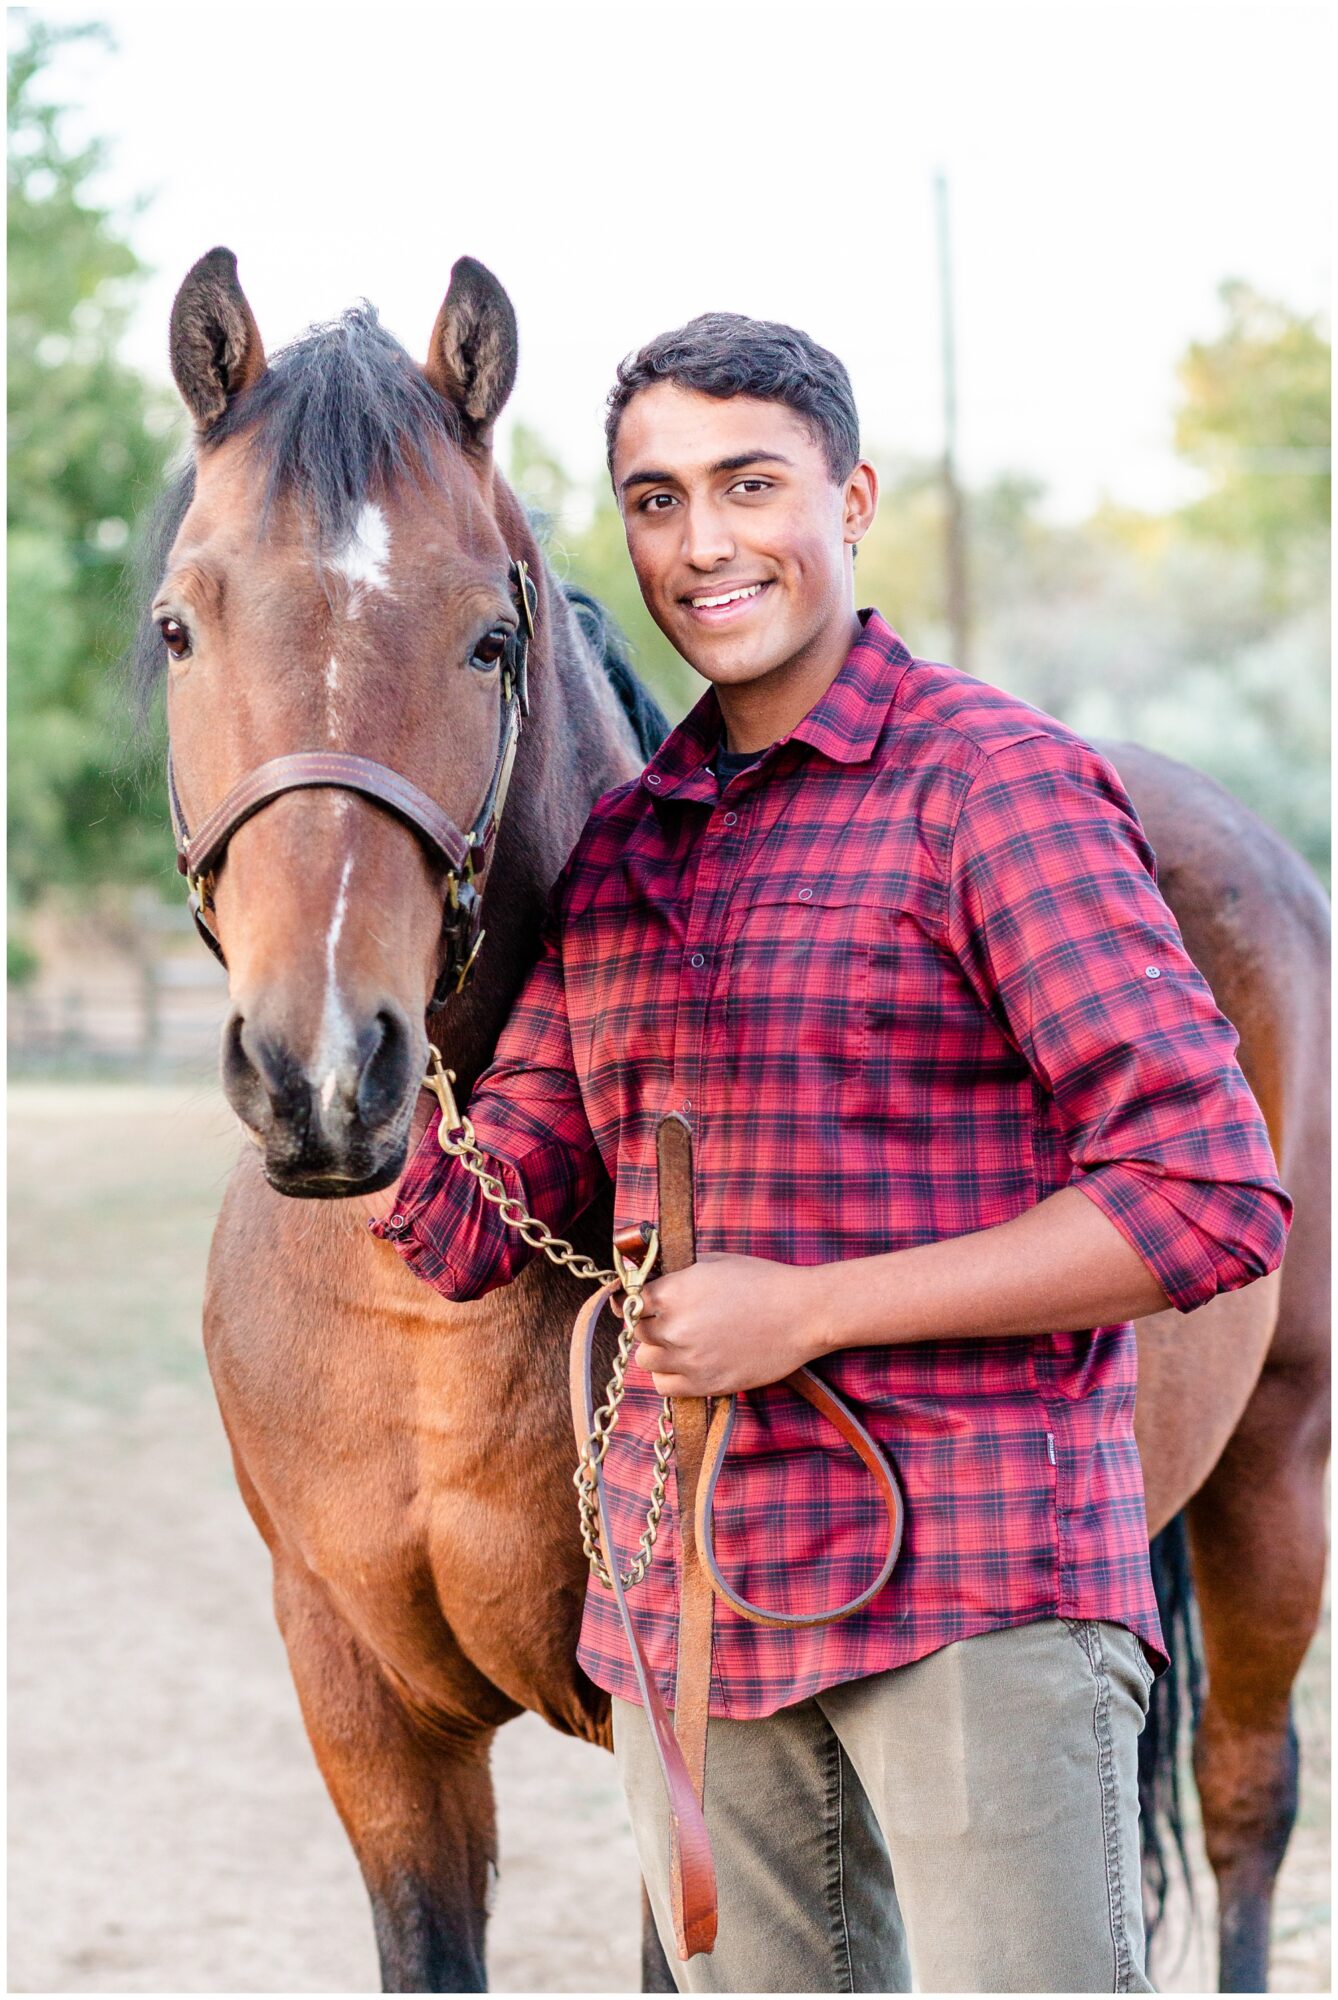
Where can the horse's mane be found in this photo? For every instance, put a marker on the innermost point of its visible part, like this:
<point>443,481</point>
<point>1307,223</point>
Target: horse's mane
<point>337,414</point>
<point>650,724</point>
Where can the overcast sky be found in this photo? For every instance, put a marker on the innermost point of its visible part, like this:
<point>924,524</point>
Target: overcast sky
<point>621,168</point>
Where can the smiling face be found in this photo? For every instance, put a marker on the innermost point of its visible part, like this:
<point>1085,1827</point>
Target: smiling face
<point>739,535</point>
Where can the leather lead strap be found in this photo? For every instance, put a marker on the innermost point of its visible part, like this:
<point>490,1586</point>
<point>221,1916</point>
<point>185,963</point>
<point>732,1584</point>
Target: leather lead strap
<point>694,1876</point>
<point>696,1604</point>
<point>699,1454</point>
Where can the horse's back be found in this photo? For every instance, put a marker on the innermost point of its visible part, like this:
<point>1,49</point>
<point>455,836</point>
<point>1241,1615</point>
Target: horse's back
<point>1255,921</point>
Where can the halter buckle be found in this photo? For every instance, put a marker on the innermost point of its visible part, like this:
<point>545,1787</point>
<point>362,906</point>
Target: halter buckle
<point>525,584</point>
<point>468,965</point>
<point>202,888</point>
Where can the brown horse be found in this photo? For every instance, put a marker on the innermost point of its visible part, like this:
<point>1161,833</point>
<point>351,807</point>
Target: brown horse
<point>336,573</point>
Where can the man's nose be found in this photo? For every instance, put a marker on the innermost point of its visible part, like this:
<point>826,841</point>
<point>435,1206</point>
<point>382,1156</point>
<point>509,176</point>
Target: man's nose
<point>707,540</point>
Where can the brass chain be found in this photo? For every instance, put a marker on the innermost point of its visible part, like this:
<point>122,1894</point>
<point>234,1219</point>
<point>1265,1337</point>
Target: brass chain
<point>455,1134</point>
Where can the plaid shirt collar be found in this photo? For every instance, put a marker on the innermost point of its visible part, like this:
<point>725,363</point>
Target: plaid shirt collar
<point>845,724</point>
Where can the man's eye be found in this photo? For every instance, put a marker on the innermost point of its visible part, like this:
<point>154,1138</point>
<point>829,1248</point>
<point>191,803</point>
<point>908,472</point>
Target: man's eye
<point>490,648</point>
<point>651,504</point>
<point>753,486</point>
<point>175,637</point>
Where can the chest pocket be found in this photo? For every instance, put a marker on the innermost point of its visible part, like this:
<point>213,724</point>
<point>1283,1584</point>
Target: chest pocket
<point>797,987</point>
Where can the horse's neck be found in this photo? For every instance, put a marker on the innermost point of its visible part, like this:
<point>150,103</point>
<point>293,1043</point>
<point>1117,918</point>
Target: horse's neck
<point>582,741</point>
<point>577,745</point>
<point>596,745</point>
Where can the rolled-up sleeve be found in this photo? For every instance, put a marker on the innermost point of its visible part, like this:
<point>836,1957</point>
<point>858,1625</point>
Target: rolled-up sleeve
<point>1054,913</point>
<point>530,1123</point>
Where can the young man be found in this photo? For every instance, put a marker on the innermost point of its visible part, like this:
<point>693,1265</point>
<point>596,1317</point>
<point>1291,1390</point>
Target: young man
<point>962,1110</point>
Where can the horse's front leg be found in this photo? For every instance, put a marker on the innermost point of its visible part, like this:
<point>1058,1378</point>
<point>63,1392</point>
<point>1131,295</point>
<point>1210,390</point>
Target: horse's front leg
<point>415,1796</point>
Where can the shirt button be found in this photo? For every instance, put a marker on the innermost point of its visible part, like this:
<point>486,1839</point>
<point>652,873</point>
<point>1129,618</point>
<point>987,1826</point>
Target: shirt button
<point>696,959</point>
<point>804,895</point>
<point>652,778</point>
<point>730,818</point>
<point>1152,971</point>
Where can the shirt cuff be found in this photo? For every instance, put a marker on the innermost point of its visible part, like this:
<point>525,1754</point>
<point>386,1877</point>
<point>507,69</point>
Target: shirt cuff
<point>442,1225</point>
<point>1192,1264</point>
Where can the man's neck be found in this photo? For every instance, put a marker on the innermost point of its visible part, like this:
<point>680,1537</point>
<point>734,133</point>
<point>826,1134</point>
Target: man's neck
<point>757,713</point>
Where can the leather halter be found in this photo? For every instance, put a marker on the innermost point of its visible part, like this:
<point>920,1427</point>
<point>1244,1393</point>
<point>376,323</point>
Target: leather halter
<point>463,855</point>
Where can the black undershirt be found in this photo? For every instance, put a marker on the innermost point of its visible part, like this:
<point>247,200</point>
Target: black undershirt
<point>727,764</point>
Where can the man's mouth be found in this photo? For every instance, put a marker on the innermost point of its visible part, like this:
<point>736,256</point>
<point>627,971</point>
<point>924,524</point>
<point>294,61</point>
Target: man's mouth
<point>719,603</point>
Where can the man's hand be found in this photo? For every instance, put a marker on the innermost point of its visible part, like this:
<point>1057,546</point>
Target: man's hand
<point>729,1323</point>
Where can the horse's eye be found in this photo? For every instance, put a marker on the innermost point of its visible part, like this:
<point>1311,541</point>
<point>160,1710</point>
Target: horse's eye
<point>490,648</point>
<point>175,637</point>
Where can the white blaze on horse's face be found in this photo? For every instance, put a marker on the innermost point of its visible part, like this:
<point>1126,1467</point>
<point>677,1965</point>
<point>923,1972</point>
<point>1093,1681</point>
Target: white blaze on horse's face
<point>331,699</point>
<point>336,1031</point>
<point>364,559</point>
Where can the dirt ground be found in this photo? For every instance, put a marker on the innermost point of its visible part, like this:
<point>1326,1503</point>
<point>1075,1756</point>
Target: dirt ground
<point>168,1828</point>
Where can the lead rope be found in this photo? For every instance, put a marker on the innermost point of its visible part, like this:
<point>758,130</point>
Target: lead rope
<point>455,1135</point>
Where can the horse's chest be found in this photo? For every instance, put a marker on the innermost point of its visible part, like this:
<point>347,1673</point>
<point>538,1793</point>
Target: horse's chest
<point>414,1482</point>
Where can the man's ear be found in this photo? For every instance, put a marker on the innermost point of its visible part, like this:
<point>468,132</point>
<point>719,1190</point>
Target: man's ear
<point>214,342</point>
<point>861,502</point>
<point>472,355</point>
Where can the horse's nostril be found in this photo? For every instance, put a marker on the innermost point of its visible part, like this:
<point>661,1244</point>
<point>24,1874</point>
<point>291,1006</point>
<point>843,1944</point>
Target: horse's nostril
<point>385,1072</point>
<point>243,1084</point>
<point>262,1081</point>
<point>235,1059</point>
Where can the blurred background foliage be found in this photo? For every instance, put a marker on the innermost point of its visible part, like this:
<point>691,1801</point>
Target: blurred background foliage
<point>88,443</point>
<point>1202,632</point>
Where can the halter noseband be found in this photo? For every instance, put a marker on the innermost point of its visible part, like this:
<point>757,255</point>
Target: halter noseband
<point>200,855</point>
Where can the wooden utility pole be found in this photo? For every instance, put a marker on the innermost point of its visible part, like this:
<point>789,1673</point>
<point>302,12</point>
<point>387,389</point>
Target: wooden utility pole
<point>954,522</point>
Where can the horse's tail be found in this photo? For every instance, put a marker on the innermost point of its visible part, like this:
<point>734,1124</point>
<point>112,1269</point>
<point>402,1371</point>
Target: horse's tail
<point>1177,1696</point>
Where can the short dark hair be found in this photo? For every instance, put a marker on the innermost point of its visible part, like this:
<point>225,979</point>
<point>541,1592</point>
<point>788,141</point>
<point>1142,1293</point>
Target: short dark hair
<point>728,354</point>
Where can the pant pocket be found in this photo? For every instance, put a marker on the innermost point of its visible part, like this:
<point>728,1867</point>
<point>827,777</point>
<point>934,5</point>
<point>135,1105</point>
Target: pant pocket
<point>1114,1649</point>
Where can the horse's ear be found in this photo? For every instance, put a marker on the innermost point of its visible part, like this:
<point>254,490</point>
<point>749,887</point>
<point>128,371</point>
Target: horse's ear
<point>472,355</point>
<point>214,343</point>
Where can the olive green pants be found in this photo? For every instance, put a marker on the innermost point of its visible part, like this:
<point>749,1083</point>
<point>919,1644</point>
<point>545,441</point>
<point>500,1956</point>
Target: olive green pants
<point>970,1820</point>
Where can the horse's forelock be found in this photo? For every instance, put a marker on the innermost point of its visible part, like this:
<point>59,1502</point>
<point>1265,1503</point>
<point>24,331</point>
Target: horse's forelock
<point>340,414</point>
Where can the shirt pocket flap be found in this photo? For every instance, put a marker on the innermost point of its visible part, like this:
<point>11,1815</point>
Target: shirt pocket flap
<point>804,892</point>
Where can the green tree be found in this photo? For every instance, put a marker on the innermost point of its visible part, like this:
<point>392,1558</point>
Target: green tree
<point>87,447</point>
<point>1255,416</point>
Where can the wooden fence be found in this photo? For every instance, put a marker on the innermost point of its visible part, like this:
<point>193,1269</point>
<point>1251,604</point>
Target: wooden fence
<point>153,1006</point>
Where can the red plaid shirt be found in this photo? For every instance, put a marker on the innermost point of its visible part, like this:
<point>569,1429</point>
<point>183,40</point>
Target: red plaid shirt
<point>910,973</point>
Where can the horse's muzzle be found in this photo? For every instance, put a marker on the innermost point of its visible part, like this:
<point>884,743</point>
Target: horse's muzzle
<point>332,1124</point>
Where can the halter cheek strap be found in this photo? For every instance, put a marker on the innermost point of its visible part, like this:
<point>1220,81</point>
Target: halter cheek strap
<point>462,855</point>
